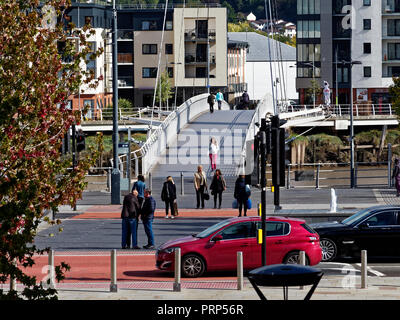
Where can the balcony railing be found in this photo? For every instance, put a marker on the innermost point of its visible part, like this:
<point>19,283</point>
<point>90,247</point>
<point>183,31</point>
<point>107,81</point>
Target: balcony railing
<point>195,35</point>
<point>193,58</point>
<point>125,58</point>
<point>123,82</point>
<point>125,35</point>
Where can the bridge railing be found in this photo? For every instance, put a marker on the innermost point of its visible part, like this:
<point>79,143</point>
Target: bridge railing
<point>344,109</point>
<point>143,159</point>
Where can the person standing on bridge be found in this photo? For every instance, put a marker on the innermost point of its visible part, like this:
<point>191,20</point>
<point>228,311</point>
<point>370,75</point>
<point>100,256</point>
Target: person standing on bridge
<point>200,184</point>
<point>213,152</point>
<point>219,97</point>
<point>211,100</point>
<point>168,195</point>
<point>130,216</point>
<point>396,176</point>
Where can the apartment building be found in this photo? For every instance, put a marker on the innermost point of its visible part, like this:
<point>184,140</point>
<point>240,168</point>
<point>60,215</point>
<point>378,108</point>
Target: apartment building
<point>349,43</point>
<point>192,48</point>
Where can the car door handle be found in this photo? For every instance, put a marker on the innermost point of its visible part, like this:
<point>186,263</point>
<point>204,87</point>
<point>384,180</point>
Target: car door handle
<point>244,245</point>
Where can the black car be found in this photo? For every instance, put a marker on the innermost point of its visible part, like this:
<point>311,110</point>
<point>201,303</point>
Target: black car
<point>375,229</point>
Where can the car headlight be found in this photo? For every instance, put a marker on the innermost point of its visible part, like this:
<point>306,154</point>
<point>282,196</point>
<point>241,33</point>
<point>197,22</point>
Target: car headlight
<point>169,250</point>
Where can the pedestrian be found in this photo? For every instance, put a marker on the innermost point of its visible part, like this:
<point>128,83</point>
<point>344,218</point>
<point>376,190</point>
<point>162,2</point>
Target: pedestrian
<point>219,97</point>
<point>245,100</point>
<point>168,195</point>
<point>218,185</point>
<point>241,194</point>
<point>211,100</point>
<point>147,216</point>
<point>213,152</point>
<point>200,184</point>
<point>139,186</point>
<point>396,176</point>
<point>130,216</point>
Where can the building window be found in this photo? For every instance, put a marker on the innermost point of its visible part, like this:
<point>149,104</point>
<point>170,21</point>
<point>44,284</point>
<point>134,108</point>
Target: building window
<point>308,7</point>
<point>367,47</point>
<point>343,75</point>
<point>309,29</point>
<point>168,48</point>
<point>168,25</point>
<point>393,51</point>
<point>201,72</point>
<point>91,59</point>
<point>393,27</point>
<point>367,72</point>
<point>308,52</point>
<point>149,72</point>
<point>367,2</point>
<point>367,24</point>
<point>170,71</point>
<point>149,25</point>
<point>149,49</point>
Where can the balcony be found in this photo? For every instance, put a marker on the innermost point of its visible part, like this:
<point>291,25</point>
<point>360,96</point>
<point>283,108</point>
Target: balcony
<point>192,58</point>
<point>196,35</point>
<point>237,87</point>
<point>125,35</point>
<point>125,58</point>
<point>124,82</point>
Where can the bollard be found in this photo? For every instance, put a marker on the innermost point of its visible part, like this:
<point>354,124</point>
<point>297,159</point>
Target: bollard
<point>13,281</point>
<point>182,184</point>
<point>240,270</point>
<point>317,178</point>
<point>177,282</point>
<point>288,177</point>
<point>302,261</point>
<point>51,269</point>
<point>113,285</point>
<point>364,270</point>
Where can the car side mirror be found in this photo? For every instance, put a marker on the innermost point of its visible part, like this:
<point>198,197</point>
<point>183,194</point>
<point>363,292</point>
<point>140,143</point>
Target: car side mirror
<point>218,237</point>
<point>364,225</point>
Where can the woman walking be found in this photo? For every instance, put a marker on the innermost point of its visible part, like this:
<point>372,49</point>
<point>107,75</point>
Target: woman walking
<point>213,151</point>
<point>396,176</point>
<point>168,195</point>
<point>217,186</point>
<point>241,194</point>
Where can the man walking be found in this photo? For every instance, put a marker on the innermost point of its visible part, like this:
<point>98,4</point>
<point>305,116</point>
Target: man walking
<point>147,216</point>
<point>211,100</point>
<point>219,97</point>
<point>129,216</point>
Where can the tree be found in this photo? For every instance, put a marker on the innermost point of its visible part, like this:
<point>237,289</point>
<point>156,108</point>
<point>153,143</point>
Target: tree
<point>166,88</point>
<point>39,71</point>
<point>394,91</point>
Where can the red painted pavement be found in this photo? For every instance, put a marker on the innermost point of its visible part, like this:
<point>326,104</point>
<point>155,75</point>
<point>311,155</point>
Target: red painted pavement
<point>114,212</point>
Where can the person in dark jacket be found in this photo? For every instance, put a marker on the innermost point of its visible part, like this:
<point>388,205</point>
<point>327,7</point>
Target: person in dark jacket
<point>241,194</point>
<point>168,195</point>
<point>211,101</point>
<point>147,216</point>
<point>396,176</point>
<point>217,186</point>
<point>130,216</point>
<point>245,100</point>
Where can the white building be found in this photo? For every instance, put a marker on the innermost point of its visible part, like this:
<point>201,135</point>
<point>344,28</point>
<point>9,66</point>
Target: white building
<point>259,65</point>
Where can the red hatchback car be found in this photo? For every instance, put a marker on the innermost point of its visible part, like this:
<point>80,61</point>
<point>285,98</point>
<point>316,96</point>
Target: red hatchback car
<point>215,248</point>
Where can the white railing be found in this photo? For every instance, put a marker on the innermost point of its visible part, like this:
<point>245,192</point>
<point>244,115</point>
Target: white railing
<point>143,159</point>
<point>344,109</point>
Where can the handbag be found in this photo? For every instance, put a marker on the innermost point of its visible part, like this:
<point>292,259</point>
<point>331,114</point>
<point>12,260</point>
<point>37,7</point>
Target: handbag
<point>175,208</point>
<point>235,204</point>
<point>206,196</point>
<point>248,203</point>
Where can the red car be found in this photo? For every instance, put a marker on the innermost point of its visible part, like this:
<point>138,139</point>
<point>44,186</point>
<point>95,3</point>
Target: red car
<point>216,247</point>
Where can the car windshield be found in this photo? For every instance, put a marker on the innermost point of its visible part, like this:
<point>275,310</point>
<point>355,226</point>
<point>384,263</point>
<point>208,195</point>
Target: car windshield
<point>357,216</point>
<point>205,233</point>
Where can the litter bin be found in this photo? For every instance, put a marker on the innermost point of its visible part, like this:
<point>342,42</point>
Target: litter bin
<point>285,275</point>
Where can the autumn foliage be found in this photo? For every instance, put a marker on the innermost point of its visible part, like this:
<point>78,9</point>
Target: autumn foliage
<point>35,84</point>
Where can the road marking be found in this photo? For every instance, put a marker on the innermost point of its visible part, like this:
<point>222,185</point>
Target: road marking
<point>375,272</point>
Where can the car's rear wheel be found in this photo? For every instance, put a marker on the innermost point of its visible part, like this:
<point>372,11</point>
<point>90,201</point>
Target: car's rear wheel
<point>193,266</point>
<point>329,249</point>
<point>294,258</point>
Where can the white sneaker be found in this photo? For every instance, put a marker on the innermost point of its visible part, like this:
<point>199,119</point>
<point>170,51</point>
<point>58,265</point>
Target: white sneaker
<point>166,217</point>
<point>172,217</point>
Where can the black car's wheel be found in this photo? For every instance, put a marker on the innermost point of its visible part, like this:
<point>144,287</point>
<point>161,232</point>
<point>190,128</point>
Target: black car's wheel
<point>193,266</point>
<point>294,258</point>
<point>329,249</point>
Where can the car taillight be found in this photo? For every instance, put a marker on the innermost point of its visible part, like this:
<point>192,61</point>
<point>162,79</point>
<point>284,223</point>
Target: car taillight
<point>312,238</point>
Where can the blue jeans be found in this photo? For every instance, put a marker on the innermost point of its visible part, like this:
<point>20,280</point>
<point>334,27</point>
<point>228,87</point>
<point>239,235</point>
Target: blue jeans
<point>148,228</point>
<point>129,224</point>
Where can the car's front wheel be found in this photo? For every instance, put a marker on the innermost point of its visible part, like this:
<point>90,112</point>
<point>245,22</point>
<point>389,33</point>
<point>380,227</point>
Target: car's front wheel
<point>329,249</point>
<point>193,266</point>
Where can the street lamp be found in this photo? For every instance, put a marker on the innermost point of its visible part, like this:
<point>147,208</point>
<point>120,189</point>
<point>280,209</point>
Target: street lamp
<point>352,171</point>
